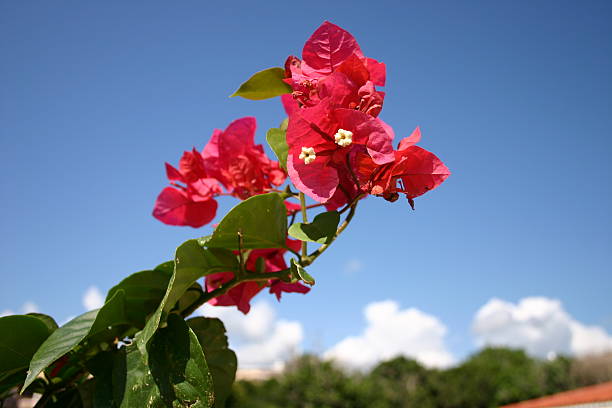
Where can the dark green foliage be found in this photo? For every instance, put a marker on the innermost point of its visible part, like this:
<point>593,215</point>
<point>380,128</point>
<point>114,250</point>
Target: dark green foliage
<point>307,382</point>
<point>177,373</point>
<point>221,359</point>
<point>101,359</point>
<point>404,383</point>
<point>489,378</point>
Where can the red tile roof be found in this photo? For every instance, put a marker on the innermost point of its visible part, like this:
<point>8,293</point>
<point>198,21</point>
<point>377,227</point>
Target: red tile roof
<point>594,393</point>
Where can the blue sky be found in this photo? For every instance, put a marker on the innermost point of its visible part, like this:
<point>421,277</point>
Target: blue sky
<point>515,97</point>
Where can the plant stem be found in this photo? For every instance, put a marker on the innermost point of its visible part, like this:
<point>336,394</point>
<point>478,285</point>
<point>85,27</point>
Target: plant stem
<point>247,276</point>
<point>310,258</point>
<point>221,290</point>
<point>349,205</point>
<point>305,221</point>
<point>241,271</point>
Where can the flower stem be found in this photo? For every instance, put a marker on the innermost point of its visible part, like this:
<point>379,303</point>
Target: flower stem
<point>304,220</point>
<point>311,258</point>
<point>246,276</point>
<point>221,290</point>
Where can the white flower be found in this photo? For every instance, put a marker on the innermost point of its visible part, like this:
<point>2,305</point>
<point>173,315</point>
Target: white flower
<point>308,155</point>
<point>343,137</point>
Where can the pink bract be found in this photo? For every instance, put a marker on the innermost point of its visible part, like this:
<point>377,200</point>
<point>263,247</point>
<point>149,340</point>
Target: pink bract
<point>326,49</point>
<point>414,171</point>
<point>332,51</point>
<point>241,295</point>
<point>315,128</point>
<point>232,157</point>
<point>178,207</point>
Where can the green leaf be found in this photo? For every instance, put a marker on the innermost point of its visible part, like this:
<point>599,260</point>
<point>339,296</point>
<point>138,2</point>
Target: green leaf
<point>277,140</point>
<point>300,273</point>
<point>263,85</point>
<point>322,228</point>
<point>59,343</point>
<point>284,124</point>
<point>93,323</point>
<point>260,265</point>
<point>10,381</point>
<point>261,219</point>
<point>101,367</point>
<point>86,391</point>
<point>143,292</point>
<point>204,240</point>
<point>68,398</point>
<point>191,263</point>
<point>191,295</point>
<point>111,320</point>
<point>21,336</point>
<point>221,360</point>
<point>177,374</point>
<point>46,319</point>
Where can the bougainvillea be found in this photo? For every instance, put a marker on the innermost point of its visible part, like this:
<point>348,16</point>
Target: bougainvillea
<point>140,348</point>
<point>231,159</point>
<point>414,171</point>
<point>333,66</point>
<point>270,260</point>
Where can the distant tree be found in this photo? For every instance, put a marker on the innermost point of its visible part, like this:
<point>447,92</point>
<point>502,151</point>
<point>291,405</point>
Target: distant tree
<point>401,382</point>
<point>307,382</point>
<point>592,369</point>
<point>490,378</point>
<point>556,375</point>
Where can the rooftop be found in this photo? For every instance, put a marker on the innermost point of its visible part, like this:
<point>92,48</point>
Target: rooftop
<point>599,395</point>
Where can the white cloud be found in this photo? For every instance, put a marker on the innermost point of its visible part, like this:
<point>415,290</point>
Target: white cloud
<point>6,312</point>
<point>92,298</point>
<point>259,339</point>
<point>352,266</point>
<point>391,332</point>
<point>540,325</point>
<point>29,307</point>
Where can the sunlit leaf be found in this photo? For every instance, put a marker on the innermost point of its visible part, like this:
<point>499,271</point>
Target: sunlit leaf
<point>261,220</point>
<point>300,273</point>
<point>278,142</point>
<point>264,84</point>
<point>322,228</point>
<point>191,263</point>
<point>93,323</point>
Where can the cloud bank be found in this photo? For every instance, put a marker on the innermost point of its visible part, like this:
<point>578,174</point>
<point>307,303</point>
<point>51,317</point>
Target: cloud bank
<point>540,325</point>
<point>260,339</point>
<point>392,332</point>
<point>92,298</point>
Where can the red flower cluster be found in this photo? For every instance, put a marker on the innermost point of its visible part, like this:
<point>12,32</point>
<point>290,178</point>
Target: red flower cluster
<point>230,159</point>
<point>241,295</point>
<point>338,150</point>
<point>338,147</point>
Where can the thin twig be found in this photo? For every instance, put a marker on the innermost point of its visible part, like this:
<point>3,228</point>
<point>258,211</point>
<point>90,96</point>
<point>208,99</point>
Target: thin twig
<point>305,221</point>
<point>310,258</point>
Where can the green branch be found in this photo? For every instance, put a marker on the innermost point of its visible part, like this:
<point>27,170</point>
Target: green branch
<point>305,221</point>
<point>223,289</point>
<point>311,258</point>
